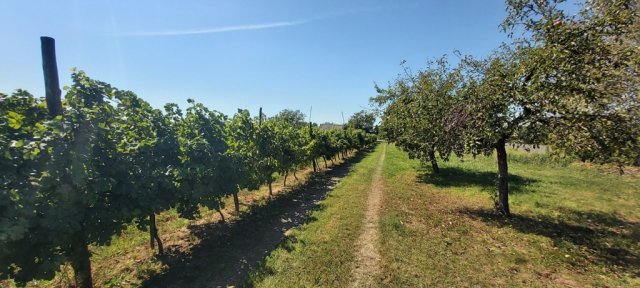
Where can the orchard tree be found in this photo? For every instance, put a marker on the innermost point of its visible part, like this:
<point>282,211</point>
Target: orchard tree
<point>414,111</point>
<point>496,107</point>
<point>294,117</point>
<point>588,66</point>
<point>364,120</point>
<point>573,85</point>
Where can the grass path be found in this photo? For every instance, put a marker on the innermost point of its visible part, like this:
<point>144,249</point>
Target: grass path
<point>322,252</point>
<point>391,223</point>
<point>367,268</point>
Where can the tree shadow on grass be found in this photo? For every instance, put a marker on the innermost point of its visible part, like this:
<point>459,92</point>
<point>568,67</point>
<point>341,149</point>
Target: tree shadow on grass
<point>228,251</point>
<point>458,177</point>
<point>602,238</point>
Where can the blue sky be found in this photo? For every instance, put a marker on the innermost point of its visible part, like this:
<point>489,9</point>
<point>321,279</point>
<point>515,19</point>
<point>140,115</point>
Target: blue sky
<point>243,54</point>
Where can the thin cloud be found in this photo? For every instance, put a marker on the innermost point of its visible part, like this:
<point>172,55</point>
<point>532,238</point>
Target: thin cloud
<point>214,30</point>
<point>257,26</point>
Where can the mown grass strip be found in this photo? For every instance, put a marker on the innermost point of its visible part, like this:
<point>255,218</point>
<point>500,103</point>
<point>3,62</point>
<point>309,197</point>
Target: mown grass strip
<point>321,252</point>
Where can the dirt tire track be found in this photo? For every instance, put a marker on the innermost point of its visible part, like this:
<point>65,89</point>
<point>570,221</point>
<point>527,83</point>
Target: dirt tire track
<point>367,267</point>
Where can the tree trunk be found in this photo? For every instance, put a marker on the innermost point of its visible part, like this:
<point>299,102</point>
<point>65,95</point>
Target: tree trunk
<point>160,246</point>
<point>153,231</point>
<point>236,202</point>
<point>152,222</point>
<point>270,189</point>
<point>286,174</point>
<point>294,175</point>
<point>315,165</point>
<point>80,261</point>
<point>221,215</point>
<point>502,205</point>
<point>434,161</point>
<point>325,162</point>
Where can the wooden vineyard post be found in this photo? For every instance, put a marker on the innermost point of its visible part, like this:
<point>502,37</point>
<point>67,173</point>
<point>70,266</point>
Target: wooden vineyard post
<point>313,160</point>
<point>51,81</point>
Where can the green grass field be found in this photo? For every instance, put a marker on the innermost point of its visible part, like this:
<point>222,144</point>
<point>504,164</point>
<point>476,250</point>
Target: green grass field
<point>321,253</point>
<point>573,226</point>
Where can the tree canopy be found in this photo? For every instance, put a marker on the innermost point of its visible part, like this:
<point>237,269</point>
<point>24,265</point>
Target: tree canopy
<point>363,120</point>
<point>570,82</point>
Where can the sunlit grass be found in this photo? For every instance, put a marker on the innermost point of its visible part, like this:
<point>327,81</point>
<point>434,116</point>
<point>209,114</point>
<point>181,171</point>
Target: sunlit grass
<point>321,253</point>
<point>572,225</point>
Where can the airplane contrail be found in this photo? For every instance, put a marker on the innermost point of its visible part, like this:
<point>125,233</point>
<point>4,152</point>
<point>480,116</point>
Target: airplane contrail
<point>214,30</point>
